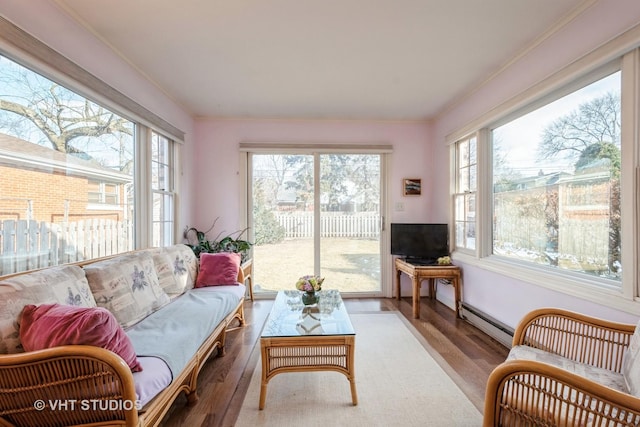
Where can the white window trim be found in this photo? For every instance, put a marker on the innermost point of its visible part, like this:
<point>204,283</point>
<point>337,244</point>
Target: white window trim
<point>622,50</point>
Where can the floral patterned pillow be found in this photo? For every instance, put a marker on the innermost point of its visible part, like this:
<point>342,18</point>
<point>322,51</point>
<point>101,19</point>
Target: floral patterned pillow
<point>184,265</point>
<point>127,286</point>
<point>65,285</point>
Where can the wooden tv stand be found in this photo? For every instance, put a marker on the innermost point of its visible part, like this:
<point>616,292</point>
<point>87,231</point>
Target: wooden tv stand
<point>418,273</point>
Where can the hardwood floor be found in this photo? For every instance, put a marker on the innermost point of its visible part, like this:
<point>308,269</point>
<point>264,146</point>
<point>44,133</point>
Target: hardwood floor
<point>467,352</point>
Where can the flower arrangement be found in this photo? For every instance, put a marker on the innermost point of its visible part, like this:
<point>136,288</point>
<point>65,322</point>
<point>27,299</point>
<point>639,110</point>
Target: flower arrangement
<point>309,283</point>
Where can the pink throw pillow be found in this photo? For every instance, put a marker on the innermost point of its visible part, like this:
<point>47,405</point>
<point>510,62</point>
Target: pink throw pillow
<point>52,325</point>
<point>218,269</point>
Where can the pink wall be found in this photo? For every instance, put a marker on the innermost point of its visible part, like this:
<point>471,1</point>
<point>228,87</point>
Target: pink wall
<point>217,174</point>
<point>504,298</point>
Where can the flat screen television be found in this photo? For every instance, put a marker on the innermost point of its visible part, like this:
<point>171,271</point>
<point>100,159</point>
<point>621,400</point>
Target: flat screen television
<point>421,243</point>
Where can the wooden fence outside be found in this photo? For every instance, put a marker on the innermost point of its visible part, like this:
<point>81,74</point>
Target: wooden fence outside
<point>28,245</point>
<point>332,224</point>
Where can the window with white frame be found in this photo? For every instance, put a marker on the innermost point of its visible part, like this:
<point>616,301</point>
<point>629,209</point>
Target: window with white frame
<point>162,187</point>
<point>557,197</point>
<point>556,183</point>
<point>465,193</point>
<point>68,164</point>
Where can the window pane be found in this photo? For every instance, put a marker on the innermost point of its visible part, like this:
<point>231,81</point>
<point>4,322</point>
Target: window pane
<point>556,183</point>
<point>162,187</point>
<point>470,232</point>
<point>463,180</point>
<point>60,155</point>
<point>472,151</point>
<point>460,226</point>
<point>472,178</point>
<point>460,208</point>
<point>463,153</point>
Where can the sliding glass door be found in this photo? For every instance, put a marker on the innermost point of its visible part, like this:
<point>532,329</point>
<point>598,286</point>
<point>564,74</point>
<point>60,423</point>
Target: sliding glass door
<point>316,214</point>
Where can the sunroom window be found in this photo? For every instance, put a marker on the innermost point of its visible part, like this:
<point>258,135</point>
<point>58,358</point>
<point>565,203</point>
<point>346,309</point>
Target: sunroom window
<point>556,183</point>
<point>65,162</point>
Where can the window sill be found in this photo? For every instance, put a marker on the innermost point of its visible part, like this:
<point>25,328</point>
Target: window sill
<point>599,291</point>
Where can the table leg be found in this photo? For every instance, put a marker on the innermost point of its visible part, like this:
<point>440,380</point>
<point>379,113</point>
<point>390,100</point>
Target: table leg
<point>416,297</point>
<point>265,368</point>
<point>351,361</point>
<point>398,284</point>
<point>250,280</point>
<point>456,289</point>
<point>263,395</point>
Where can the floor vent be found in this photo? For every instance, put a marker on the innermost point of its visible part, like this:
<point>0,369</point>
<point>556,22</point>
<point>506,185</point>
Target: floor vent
<point>488,325</point>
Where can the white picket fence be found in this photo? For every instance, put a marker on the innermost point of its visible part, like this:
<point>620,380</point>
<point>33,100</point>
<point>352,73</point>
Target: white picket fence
<point>27,245</point>
<point>332,224</point>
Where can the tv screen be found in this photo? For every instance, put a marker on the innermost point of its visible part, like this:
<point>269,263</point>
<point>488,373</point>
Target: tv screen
<point>422,242</point>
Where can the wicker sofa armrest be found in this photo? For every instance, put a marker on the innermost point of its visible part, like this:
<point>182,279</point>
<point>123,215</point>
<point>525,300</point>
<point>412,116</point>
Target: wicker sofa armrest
<point>521,392</point>
<point>67,385</point>
<point>584,339</point>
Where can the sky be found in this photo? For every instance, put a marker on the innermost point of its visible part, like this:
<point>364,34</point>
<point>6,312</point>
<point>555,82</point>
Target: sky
<point>519,139</point>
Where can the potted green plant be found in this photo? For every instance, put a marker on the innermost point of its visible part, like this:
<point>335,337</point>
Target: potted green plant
<point>198,242</point>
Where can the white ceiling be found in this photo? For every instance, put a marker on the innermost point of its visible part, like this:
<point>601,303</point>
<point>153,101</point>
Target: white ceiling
<point>319,59</point>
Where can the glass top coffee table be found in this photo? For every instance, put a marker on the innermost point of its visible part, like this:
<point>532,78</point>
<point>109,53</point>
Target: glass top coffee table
<point>299,338</point>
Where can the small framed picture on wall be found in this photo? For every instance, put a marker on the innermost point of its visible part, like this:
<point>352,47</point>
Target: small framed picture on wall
<point>411,187</point>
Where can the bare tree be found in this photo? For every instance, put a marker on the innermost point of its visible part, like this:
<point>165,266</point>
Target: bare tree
<point>65,120</point>
<point>595,121</point>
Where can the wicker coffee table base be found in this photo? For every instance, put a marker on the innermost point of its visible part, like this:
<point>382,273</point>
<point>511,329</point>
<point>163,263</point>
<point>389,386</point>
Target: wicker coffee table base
<point>307,353</point>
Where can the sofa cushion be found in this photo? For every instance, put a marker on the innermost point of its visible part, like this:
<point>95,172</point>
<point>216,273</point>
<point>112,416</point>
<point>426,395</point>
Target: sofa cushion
<point>175,332</point>
<point>218,269</point>
<point>631,363</point>
<point>165,271</point>
<point>63,284</point>
<point>185,268</point>
<point>154,377</point>
<point>238,290</point>
<point>52,325</point>
<point>603,376</point>
<point>127,286</point>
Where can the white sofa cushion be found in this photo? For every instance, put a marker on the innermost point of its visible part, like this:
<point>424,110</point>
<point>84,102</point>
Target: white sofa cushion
<point>154,377</point>
<point>184,266</point>
<point>127,286</point>
<point>603,376</point>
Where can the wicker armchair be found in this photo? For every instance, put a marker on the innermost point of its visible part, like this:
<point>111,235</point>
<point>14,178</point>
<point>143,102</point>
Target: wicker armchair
<point>529,392</point>
<point>66,385</point>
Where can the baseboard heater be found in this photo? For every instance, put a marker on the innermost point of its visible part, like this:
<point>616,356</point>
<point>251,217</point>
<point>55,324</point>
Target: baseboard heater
<point>487,324</point>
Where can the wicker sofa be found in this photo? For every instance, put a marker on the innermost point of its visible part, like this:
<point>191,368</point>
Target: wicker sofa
<point>567,369</point>
<point>174,332</point>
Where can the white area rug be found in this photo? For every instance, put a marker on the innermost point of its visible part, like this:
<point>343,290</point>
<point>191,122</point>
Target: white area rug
<point>398,384</point>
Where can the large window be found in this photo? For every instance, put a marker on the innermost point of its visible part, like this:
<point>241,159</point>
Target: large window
<point>546,186</point>
<point>68,176</point>
<point>556,183</point>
